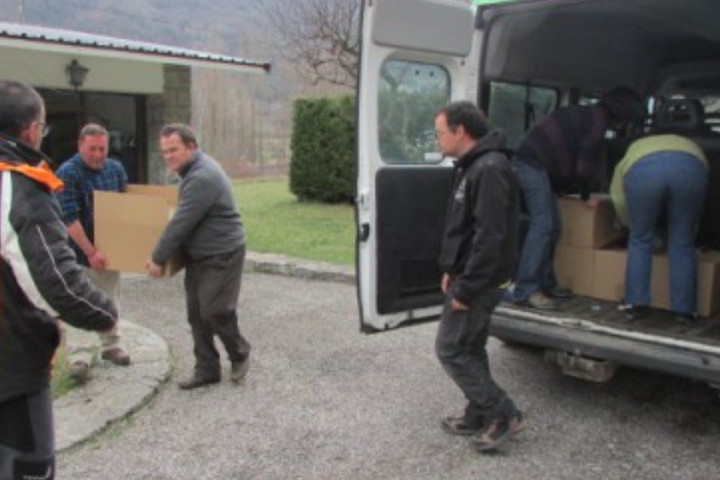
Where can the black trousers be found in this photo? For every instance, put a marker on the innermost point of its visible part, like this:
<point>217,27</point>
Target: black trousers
<point>212,287</point>
<point>460,346</point>
<point>27,440</point>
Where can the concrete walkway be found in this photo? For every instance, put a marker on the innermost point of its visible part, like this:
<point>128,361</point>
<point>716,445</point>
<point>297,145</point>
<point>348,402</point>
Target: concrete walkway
<point>113,392</point>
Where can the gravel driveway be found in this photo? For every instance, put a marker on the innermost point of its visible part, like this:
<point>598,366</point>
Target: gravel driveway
<point>323,401</point>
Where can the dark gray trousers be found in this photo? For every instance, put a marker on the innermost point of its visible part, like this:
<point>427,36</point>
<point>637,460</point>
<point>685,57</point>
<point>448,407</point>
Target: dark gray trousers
<point>27,441</point>
<point>460,347</point>
<point>212,287</point>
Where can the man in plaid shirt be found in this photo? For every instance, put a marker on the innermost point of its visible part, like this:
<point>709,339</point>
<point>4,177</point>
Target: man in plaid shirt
<point>89,170</point>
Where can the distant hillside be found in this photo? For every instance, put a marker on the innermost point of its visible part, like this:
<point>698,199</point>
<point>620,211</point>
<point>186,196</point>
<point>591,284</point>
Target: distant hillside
<point>222,24</point>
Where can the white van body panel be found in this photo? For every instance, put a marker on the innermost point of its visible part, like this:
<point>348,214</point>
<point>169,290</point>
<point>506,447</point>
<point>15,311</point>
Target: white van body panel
<point>573,49</point>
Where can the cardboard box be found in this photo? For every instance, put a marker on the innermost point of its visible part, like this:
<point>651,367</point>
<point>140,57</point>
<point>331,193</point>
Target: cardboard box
<point>588,227</point>
<point>610,274</point>
<point>128,225</point>
<point>575,269</point>
<point>610,279</point>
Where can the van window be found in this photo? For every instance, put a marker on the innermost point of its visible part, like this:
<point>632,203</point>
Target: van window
<point>409,96</point>
<point>514,108</point>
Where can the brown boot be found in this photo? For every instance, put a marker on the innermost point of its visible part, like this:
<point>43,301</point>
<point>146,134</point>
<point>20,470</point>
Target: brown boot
<point>116,356</point>
<point>196,381</point>
<point>238,370</point>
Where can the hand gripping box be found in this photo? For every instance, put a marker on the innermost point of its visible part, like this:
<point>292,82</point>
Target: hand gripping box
<point>129,224</point>
<point>585,226</point>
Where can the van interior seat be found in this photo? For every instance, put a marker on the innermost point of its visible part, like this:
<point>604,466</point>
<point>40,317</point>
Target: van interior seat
<point>682,116</point>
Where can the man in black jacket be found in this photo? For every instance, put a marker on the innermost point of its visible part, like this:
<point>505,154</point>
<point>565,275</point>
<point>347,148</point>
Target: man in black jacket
<point>41,281</point>
<point>477,259</point>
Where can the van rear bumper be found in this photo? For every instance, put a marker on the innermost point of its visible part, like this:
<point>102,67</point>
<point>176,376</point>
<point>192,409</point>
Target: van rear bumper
<point>682,361</point>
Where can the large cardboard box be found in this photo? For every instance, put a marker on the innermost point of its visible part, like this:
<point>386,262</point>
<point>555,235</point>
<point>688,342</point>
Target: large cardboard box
<point>575,269</point>
<point>129,224</point>
<point>610,279</point>
<point>610,274</point>
<point>588,227</point>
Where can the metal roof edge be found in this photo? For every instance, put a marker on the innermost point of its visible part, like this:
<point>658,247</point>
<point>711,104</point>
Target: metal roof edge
<point>81,41</point>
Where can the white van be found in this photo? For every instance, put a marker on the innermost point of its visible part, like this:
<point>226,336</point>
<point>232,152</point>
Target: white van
<point>519,60</point>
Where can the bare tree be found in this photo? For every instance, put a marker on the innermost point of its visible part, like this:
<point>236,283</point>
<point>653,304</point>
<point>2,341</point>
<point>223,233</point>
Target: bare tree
<point>321,37</point>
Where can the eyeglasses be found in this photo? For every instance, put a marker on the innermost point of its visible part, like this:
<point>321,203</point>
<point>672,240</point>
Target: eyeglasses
<point>45,128</point>
<point>440,133</point>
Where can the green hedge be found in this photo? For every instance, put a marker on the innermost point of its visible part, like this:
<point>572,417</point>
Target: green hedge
<point>322,166</point>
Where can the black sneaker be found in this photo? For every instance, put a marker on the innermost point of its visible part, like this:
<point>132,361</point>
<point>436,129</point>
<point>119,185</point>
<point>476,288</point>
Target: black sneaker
<point>558,293</point>
<point>686,319</point>
<point>634,312</point>
<point>492,436</point>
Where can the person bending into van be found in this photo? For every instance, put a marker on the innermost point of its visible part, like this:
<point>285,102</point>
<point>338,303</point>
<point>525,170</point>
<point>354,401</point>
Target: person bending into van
<point>477,259</point>
<point>40,281</point>
<point>661,173</point>
<point>560,153</point>
<point>208,229</point>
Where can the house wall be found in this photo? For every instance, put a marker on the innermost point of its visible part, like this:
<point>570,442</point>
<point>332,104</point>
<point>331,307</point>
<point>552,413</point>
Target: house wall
<point>173,105</point>
<point>46,69</point>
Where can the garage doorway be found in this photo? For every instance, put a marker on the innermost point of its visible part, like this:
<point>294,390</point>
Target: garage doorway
<point>123,116</point>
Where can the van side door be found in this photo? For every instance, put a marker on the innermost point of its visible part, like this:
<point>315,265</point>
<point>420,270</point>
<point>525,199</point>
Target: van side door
<point>415,59</point>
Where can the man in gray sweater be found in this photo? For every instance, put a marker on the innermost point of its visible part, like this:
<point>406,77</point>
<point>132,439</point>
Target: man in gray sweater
<point>208,231</point>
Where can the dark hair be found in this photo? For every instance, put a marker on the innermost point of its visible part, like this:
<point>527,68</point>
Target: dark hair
<point>186,134</point>
<point>20,105</point>
<point>623,104</point>
<point>92,130</point>
<point>466,114</point>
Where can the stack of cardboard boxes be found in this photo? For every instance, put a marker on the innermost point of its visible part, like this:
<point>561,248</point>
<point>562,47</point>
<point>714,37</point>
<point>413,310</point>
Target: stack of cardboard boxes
<point>588,261</point>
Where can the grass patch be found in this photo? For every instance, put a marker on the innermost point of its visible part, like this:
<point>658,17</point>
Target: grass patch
<point>61,383</point>
<point>275,222</point>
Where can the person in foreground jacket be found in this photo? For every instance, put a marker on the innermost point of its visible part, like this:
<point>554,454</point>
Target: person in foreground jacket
<point>207,229</point>
<point>41,281</point>
<point>477,259</point>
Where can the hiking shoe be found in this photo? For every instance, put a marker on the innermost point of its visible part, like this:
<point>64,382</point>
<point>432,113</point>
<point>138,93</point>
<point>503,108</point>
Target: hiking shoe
<point>457,426</point>
<point>116,356</point>
<point>634,312</point>
<point>238,370</point>
<point>686,319</point>
<point>558,293</point>
<point>79,371</point>
<point>516,425</point>
<point>197,381</point>
<point>539,301</point>
<point>492,436</point>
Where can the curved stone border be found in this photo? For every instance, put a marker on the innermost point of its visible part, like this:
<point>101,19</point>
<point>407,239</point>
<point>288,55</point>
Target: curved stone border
<point>283,265</point>
<point>113,392</point>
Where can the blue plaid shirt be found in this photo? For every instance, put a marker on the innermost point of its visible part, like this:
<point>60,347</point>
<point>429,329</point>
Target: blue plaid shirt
<point>76,198</point>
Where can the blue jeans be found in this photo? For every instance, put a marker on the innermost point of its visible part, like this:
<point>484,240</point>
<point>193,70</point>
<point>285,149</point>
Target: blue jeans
<point>535,270</point>
<point>675,182</point>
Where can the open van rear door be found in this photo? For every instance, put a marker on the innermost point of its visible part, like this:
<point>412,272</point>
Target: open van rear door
<point>416,57</point>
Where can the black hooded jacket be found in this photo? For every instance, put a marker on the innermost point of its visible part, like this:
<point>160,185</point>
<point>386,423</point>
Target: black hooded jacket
<point>41,279</point>
<point>479,247</point>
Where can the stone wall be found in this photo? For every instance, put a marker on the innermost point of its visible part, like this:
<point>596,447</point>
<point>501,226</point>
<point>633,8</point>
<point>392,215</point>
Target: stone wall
<point>173,105</point>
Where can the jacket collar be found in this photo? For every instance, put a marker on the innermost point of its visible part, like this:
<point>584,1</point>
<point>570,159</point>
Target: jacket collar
<point>18,157</point>
<point>494,140</point>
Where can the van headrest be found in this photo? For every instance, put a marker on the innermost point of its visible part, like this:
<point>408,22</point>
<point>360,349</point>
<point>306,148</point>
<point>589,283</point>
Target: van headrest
<point>680,115</point>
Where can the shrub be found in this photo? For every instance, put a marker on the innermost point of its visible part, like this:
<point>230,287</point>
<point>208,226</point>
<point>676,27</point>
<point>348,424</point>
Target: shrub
<point>322,166</point>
